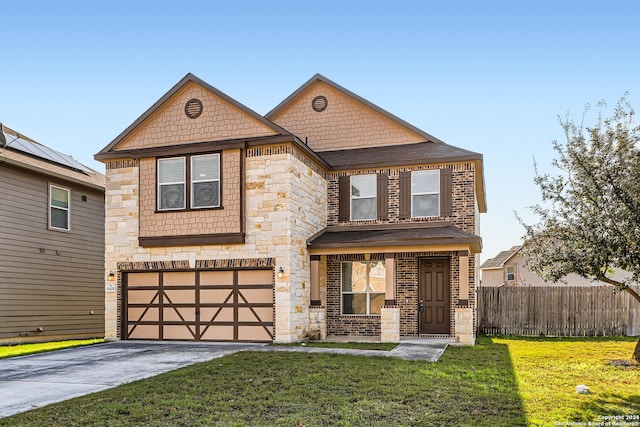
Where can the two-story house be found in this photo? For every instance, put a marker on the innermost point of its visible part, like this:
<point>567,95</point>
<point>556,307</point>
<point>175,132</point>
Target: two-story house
<point>327,216</point>
<point>51,244</point>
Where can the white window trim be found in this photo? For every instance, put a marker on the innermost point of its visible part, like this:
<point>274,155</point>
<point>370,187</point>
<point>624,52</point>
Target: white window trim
<point>367,293</point>
<point>352,198</point>
<point>183,182</point>
<point>507,273</point>
<point>197,181</point>
<point>425,193</point>
<point>67,209</point>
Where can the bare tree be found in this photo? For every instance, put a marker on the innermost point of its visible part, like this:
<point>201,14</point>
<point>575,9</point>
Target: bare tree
<point>589,218</point>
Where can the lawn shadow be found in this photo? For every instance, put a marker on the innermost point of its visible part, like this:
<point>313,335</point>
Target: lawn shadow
<point>606,405</point>
<point>489,372</point>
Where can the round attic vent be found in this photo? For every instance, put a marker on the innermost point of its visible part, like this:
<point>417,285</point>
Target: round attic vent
<point>319,103</point>
<point>193,108</point>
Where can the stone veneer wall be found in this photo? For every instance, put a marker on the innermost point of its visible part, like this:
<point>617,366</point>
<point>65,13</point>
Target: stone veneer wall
<point>463,197</point>
<point>285,204</point>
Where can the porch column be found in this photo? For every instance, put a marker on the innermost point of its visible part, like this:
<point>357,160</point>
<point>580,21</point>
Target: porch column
<point>463,259</point>
<point>464,330</point>
<point>390,311</point>
<point>317,316</point>
<point>390,279</point>
<point>315,281</point>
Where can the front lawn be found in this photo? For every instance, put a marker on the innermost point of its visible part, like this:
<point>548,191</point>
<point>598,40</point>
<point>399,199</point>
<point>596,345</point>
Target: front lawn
<point>498,382</point>
<point>24,349</point>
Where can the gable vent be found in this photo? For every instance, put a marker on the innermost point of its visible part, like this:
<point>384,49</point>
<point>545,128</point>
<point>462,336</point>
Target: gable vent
<point>319,103</point>
<point>193,108</point>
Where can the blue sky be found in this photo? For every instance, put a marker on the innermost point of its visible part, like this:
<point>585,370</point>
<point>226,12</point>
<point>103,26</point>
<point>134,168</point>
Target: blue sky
<point>488,76</point>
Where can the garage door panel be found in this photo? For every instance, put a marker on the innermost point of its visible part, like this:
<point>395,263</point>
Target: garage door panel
<point>255,333</point>
<point>142,296</point>
<point>146,314</point>
<point>255,314</point>
<point>221,314</point>
<point>256,295</point>
<point>215,295</point>
<point>178,332</point>
<point>144,332</point>
<point>255,277</point>
<point>179,278</point>
<point>143,279</point>
<point>177,314</point>
<point>218,333</point>
<point>175,296</point>
<point>216,278</point>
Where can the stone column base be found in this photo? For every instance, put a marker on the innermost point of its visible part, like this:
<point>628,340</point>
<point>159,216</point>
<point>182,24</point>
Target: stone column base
<point>317,322</point>
<point>390,323</point>
<point>464,326</point>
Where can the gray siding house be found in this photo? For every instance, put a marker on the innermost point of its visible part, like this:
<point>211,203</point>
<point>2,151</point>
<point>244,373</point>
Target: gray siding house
<point>51,244</point>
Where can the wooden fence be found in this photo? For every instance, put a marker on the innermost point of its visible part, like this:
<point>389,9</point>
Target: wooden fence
<point>557,311</point>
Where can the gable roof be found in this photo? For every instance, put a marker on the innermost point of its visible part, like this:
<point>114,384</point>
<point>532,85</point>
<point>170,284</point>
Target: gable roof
<point>499,260</point>
<point>320,78</point>
<point>23,152</point>
<point>184,81</point>
<point>396,155</point>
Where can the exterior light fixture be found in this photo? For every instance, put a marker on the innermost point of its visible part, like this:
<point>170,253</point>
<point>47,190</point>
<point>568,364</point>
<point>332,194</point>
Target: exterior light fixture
<point>111,277</point>
<point>280,273</point>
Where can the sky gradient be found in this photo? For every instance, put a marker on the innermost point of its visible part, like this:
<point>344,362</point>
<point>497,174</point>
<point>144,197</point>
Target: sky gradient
<point>487,76</point>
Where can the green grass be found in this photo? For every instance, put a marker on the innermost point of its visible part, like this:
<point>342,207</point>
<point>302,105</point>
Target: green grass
<point>549,369</point>
<point>498,382</point>
<point>384,346</point>
<point>24,349</point>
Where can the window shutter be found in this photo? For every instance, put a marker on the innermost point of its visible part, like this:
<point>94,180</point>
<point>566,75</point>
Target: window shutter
<point>344,198</point>
<point>405,195</point>
<point>382,195</point>
<point>446,192</point>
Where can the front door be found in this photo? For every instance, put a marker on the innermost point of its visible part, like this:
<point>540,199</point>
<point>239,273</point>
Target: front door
<point>435,297</point>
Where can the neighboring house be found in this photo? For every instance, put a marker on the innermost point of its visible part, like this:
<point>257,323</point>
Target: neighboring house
<point>327,216</point>
<point>51,244</point>
<point>508,268</point>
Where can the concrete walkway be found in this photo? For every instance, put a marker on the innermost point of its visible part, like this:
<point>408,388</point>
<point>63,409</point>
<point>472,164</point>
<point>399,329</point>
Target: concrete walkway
<point>30,382</point>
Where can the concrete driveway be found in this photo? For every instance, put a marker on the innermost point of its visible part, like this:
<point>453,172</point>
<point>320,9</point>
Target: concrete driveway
<point>29,382</point>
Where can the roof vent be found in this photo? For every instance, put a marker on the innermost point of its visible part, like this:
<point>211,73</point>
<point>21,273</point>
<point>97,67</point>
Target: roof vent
<point>193,108</point>
<point>319,103</point>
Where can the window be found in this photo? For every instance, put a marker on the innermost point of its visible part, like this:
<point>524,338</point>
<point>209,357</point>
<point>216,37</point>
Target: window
<point>205,181</point>
<point>363,286</point>
<point>425,193</point>
<point>171,184</point>
<point>203,172</point>
<point>363,197</point>
<point>511,273</point>
<point>58,208</point>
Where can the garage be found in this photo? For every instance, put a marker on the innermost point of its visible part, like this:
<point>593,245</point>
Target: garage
<point>201,305</point>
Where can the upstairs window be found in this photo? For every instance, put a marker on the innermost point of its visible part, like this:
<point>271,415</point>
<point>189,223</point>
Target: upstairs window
<point>425,193</point>
<point>59,208</point>
<point>205,181</point>
<point>171,184</point>
<point>363,286</point>
<point>363,197</point>
<point>511,273</point>
<point>191,181</point>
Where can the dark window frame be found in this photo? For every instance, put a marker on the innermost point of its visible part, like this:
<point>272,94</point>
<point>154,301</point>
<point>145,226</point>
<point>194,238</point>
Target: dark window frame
<point>188,183</point>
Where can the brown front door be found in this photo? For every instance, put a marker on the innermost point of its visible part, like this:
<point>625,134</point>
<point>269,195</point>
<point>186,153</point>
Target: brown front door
<point>435,297</point>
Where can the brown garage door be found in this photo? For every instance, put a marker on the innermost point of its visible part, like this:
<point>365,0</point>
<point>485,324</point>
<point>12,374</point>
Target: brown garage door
<point>229,305</point>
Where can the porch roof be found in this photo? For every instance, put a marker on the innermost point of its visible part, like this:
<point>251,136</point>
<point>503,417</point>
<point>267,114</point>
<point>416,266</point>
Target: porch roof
<point>424,235</point>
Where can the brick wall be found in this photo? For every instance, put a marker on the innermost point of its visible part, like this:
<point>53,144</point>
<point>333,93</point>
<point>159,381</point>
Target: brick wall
<point>463,197</point>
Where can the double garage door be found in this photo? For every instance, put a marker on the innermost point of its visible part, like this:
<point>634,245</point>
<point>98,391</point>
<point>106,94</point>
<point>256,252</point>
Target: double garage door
<point>228,305</point>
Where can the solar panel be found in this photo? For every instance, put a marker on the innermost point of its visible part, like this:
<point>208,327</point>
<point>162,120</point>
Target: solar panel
<point>42,152</point>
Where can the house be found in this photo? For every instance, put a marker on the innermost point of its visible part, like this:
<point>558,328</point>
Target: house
<point>51,244</point>
<point>328,216</point>
<point>509,268</point>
